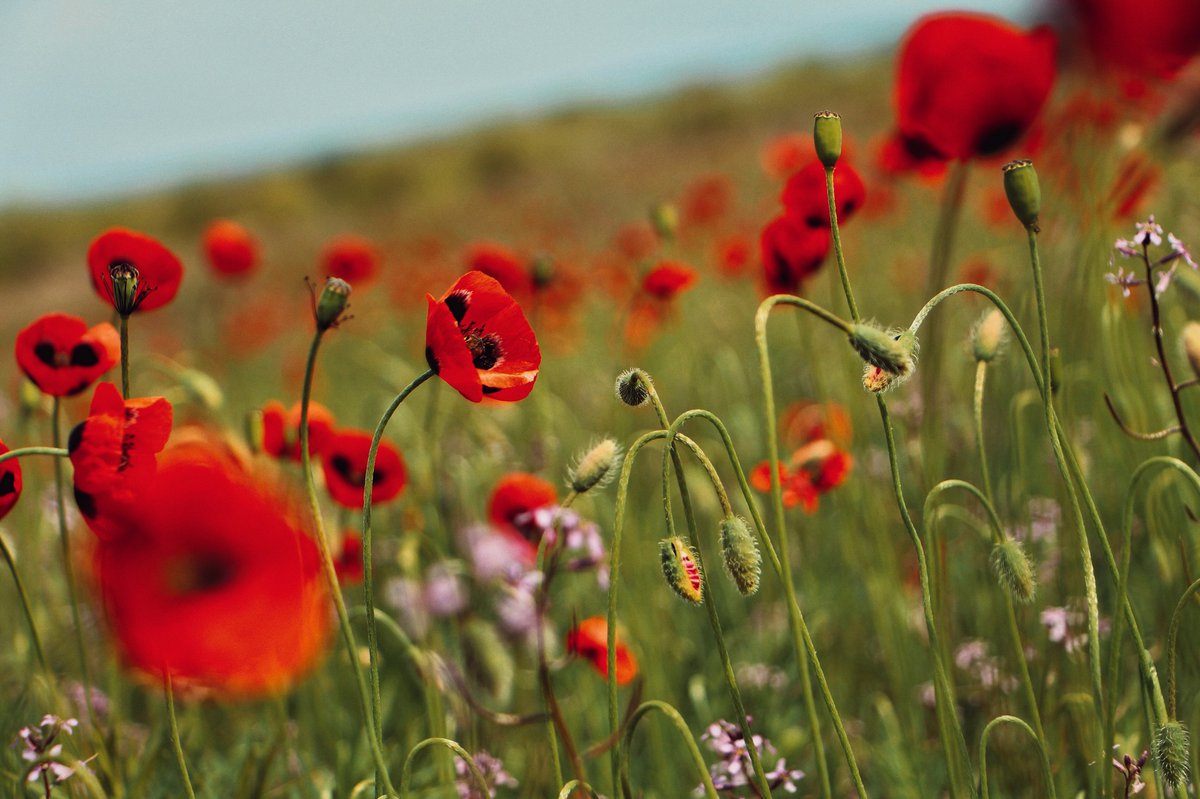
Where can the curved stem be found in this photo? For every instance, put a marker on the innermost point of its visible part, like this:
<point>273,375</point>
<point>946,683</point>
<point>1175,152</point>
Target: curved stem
<point>176,744</point>
<point>575,785</point>
<point>981,368</point>
<point>1172,639</point>
<point>837,243</point>
<point>1160,347</point>
<point>57,452</point>
<point>23,598</point>
<point>671,713</point>
<point>453,746</point>
<point>1047,774</point>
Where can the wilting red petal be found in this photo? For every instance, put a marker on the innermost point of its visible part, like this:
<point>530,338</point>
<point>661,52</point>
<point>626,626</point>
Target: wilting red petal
<point>62,356</point>
<point>806,197</point>
<point>159,271</point>
<point>231,250</point>
<point>791,253</point>
<point>354,259</point>
<point>667,279</point>
<point>345,465</point>
<point>10,482</point>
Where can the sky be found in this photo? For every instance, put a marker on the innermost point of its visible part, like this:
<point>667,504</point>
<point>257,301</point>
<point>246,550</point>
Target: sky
<point>101,97</point>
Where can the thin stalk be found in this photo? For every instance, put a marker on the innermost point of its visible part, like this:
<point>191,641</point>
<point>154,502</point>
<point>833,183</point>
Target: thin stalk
<point>1172,649</point>
<point>57,452</point>
<point>1047,774</point>
<point>575,785</point>
<point>981,368</point>
<point>124,327</point>
<point>24,600</point>
<point>1160,347</point>
<point>176,744</point>
<point>837,244</point>
<point>331,580</point>
<point>671,713</point>
<point>453,746</point>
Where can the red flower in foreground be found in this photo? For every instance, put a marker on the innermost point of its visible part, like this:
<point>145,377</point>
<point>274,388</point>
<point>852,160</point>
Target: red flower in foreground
<point>10,482</point>
<point>352,258</point>
<point>498,261</point>
<point>231,250</point>
<point>281,429</point>
<point>791,253</point>
<point>667,279</point>
<point>62,356</point>
<point>970,85</point>
<point>114,453</point>
<point>478,340</point>
<point>215,577</point>
<point>589,640</point>
<point>806,198</point>
<point>155,269</point>
<point>344,460</point>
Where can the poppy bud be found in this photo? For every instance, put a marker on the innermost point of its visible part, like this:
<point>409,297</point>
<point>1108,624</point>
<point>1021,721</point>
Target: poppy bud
<point>681,569</point>
<point>877,381</point>
<point>893,351</point>
<point>633,387</point>
<point>1190,341</point>
<point>1024,193</point>
<point>743,561</point>
<point>1013,570</point>
<point>487,660</point>
<point>332,302</point>
<point>596,467</point>
<point>989,335</point>
<point>665,219</point>
<point>827,136</point>
<point>124,277</point>
<point>1171,748</point>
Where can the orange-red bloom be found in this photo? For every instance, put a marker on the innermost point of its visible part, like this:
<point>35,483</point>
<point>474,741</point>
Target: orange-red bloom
<point>345,464</point>
<point>667,279</point>
<point>10,482</point>
<point>515,494</point>
<point>114,452</point>
<point>231,250</point>
<point>791,253</point>
<point>970,85</point>
<point>498,261</point>
<point>478,340</point>
<point>349,562</point>
<point>157,270</point>
<point>62,356</point>
<point>214,577</point>
<point>589,640</point>
<point>352,258</point>
<point>281,429</point>
<point>806,198</point>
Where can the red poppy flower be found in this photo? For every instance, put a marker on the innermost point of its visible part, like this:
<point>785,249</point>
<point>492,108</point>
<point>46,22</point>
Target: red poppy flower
<point>281,429</point>
<point>785,154</point>
<point>10,482</point>
<point>349,562</point>
<point>231,250</point>
<point>517,493</point>
<point>791,253</point>
<point>1147,37</point>
<point>589,640</point>
<point>898,154</point>
<point>734,255</point>
<point>806,198</point>
<point>636,240</point>
<point>156,269</point>
<point>215,577</point>
<point>498,261</point>
<point>345,463</point>
<point>667,279</point>
<point>706,201</point>
<point>62,356</point>
<point>352,258</point>
<point>797,486</point>
<point>114,452</point>
<point>478,340</point>
<point>970,85</point>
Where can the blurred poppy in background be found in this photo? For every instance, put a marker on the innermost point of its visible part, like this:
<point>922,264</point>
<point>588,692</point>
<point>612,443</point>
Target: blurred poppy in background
<point>231,250</point>
<point>589,640</point>
<point>352,258</point>
<point>10,482</point>
<point>281,429</point>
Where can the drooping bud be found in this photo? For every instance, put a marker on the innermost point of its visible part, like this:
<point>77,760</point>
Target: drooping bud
<point>201,388</point>
<point>124,277</point>
<point>681,569</point>
<point>487,660</point>
<point>595,468</point>
<point>1189,339</point>
<point>665,219</point>
<point>1013,570</point>
<point>893,351</point>
<point>827,136</point>
<point>1024,192</point>
<point>633,387</point>
<point>332,302</point>
<point>1171,751</point>
<point>989,335</point>
<point>740,552</point>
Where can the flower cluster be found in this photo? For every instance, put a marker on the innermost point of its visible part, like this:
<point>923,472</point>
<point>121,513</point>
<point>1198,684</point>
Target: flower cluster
<point>42,741</point>
<point>493,773</point>
<point>734,771</point>
<point>1149,234</point>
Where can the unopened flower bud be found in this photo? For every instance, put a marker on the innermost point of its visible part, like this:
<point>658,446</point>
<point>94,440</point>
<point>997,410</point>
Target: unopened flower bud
<point>740,552</point>
<point>681,569</point>
<point>124,277</point>
<point>332,302</point>
<point>827,136</point>
<point>1024,192</point>
<point>989,335</point>
<point>893,351</point>
<point>877,381</point>
<point>1171,751</point>
<point>665,219</point>
<point>1013,570</point>
<point>595,468</point>
<point>255,430</point>
<point>633,387</point>
<point>1189,339</point>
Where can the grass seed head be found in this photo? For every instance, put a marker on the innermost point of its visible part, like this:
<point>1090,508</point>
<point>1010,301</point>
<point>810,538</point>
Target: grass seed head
<point>1171,749</point>
<point>1013,570</point>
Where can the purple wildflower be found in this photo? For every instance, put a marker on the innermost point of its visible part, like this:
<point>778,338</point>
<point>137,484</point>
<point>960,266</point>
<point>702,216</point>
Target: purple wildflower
<point>735,771</point>
<point>38,742</point>
<point>493,773</point>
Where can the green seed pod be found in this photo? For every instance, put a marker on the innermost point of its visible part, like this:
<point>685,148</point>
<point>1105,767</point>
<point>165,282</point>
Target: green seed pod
<point>1013,570</point>
<point>827,136</point>
<point>332,302</point>
<point>893,351</point>
<point>681,569</point>
<point>124,277</point>
<point>739,549</point>
<point>595,468</point>
<point>1189,341</point>
<point>1171,749</point>
<point>487,660</point>
<point>255,433</point>
<point>633,387</point>
<point>989,335</point>
<point>1024,192</point>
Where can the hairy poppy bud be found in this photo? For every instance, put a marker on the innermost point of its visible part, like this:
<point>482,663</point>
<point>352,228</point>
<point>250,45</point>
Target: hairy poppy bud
<point>596,467</point>
<point>332,302</point>
<point>1171,748</point>
<point>1013,570</point>
<point>681,569</point>
<point>124,277</point>
<point>633,387</point>
<point>740,552</point>
<point>827,136</point>
<point>1024,192</point>
<point>893,351</point>
<point>989,335</point>
<point>665,219</point>
<point>1190,341</point>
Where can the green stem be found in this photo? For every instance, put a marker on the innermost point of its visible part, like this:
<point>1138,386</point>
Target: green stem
<point>1172,640</point>
<point>331,580</point>
<point>57,452</point>
<point>671,713</point>
<point>124,326</point>
<point>575,785</point>
<point>837,244</point>
<point>981,368</point>
<point>176,744</point>
<point>24,600</point>
<point>1047,774</point>
<point>476,776</point>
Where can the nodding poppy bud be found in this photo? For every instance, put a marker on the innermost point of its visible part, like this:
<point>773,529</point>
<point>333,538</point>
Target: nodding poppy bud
<point>740,552</point>
<point>1189,339</point>
<point>1024,193</point>
<point>1171,750</point>
<point>332,302</point>
<point>124,277</point>
<point>893,351</point>
<point>827,136</point>
<point>487,660</point>
<point>1013,570</point>
<point>681,569</point>
<point>633,387</point>
<point>596,467</point>
<point>989,335</point>
<point>665,219</point>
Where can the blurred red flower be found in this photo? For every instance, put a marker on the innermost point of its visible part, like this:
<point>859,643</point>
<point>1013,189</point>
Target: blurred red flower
<point>501,263</point>
<point>1153,38</point>
<point>10,482</point>
<point>589,640</point>
<point>970,85</point>
<point>214,577</point>
<point>62,356</point>
<point>349,562</point>
<point>806,198</point>
<point>734,255</point>
<point>667,279</point>
<point>706,201</point>
<point>231,250</point>
<point>354,259</point>
<point>478,340</point>
<point>158,272</point>
<point>518,493</point>
<point>281,430</point>
<point>344,459</point>
<point>791,253</point>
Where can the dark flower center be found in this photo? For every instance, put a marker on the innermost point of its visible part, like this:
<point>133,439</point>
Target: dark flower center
<point>485,347</point>
<point>356,477</point>
<point>80,355</point>
<point>457,302</point>
<point>997,137</point>
<point>200,572</point>
<point>8,484</point>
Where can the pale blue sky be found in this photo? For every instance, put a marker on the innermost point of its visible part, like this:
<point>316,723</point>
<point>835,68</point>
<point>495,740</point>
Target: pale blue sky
<point>104,96</point>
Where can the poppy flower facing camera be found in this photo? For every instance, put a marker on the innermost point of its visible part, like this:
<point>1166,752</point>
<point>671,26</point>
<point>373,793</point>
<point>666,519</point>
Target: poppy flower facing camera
<point>133,271</point>
<point>62,356</point>
<point>344,460</point>
<point>478,340</point>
